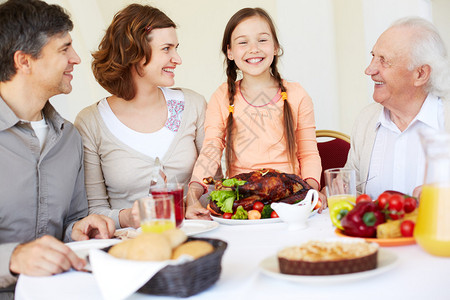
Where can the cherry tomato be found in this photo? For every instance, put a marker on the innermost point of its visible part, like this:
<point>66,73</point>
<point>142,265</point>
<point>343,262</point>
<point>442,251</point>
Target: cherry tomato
<point>227,215</point>
<point>396,203</point>
<point>383,200</point>
<point>254,214</point>
<point>258,206</point>
<point>274,214</point>
<point>407,228</point>
<point>363,197</point>
<point>410,204</point>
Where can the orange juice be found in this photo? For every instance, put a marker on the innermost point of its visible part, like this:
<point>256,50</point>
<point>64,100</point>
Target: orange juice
<point>157,226</point>
<point>432,230</point>
<point>338,198</point>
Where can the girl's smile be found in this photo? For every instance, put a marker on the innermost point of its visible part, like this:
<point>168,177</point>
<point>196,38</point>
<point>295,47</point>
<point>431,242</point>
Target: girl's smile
<point>252,47</point>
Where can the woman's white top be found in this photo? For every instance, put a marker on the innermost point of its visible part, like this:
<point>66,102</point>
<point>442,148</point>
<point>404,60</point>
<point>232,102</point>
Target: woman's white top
<point>145,142</point>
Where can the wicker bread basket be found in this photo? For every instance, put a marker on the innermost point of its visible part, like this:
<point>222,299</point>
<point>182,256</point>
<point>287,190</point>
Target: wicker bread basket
<point>190,278</point>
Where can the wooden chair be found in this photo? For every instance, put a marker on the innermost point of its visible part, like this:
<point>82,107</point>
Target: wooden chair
<point>333,149</point>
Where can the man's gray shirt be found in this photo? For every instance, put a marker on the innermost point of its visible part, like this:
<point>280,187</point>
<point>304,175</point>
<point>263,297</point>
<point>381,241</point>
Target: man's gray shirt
<point>41,192</point>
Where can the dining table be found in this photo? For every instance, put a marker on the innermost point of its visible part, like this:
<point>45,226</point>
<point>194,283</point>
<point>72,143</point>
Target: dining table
<point>413,274</point>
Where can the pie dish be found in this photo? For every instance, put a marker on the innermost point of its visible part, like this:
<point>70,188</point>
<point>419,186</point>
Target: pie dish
<point>328,257</point>
<point>387,260</point>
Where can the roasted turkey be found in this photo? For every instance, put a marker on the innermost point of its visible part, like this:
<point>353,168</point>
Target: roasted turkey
<point>266,186</point>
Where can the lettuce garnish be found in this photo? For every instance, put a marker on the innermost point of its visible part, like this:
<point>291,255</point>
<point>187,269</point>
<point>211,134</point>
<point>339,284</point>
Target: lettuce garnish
<point>233,182</point>
<point>224,199</point>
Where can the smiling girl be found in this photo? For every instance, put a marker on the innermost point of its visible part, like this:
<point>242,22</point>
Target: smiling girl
<point>261,120</point>
<point>142,119</point>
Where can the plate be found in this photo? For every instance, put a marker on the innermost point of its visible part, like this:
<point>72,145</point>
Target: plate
<point>190,228</point>
<point>82,248</point>
<point>251,222</point>
<point>193,227</point>
<point>246,222</point>
<point>386,261</point>
<point>383,242</point>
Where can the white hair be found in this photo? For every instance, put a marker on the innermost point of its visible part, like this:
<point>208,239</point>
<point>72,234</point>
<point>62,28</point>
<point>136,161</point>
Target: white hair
<point>428,48</point>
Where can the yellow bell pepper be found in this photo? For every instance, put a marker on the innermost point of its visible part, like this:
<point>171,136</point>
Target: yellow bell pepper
<point>338,211</point>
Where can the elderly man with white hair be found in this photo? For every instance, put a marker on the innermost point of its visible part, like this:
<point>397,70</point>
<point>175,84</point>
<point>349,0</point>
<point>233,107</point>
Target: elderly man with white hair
<point>411,75</point>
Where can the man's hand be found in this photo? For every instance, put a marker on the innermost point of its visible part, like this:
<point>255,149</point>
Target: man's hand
<point>44,256</point>
<point>93,226</point>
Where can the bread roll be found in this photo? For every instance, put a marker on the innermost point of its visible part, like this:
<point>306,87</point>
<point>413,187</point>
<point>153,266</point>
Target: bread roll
<point>195,249</point>
<point>175,236</point>
<point>147,246</point>
<point>121,249</point>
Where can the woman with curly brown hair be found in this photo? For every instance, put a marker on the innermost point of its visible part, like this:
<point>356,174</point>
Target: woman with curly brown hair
<point>143,119</point>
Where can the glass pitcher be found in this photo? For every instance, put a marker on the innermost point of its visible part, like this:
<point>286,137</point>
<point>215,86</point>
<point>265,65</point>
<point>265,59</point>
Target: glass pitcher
<point>432,230</point>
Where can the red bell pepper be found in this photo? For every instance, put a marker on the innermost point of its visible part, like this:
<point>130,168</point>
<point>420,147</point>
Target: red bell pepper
<point>362,220</point>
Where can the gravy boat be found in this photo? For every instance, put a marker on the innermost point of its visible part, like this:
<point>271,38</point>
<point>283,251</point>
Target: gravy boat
<point>296,215</point>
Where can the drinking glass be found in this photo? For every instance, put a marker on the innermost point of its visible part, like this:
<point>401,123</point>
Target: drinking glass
<point>340,185</point>
<point>157,213</point>
<point>176,190</point>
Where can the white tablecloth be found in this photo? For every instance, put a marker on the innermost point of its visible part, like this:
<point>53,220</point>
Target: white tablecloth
<point>417,276</point>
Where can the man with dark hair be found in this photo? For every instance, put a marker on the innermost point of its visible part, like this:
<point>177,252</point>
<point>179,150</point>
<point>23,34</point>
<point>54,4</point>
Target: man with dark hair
<point>43,198</point>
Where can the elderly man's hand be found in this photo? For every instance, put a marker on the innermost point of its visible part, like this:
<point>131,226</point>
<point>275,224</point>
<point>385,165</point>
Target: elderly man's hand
<point>44,256</point>
<point>93,226</point>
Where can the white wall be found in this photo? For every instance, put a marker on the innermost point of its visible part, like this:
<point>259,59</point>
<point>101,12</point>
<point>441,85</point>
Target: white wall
<point>351,60</point>
<point>327,46</point>
<point>306,31</point>
<point>441,18</point>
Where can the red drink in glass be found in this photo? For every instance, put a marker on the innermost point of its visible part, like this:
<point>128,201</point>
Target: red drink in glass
<point>176,190</point>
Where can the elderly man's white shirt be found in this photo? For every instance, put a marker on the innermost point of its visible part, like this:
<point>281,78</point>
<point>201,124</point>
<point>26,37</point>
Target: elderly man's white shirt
<point>399,156</point>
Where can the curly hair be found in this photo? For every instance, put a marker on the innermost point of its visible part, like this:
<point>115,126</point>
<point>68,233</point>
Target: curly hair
<point>124,46</point>
<point>231,72</point>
